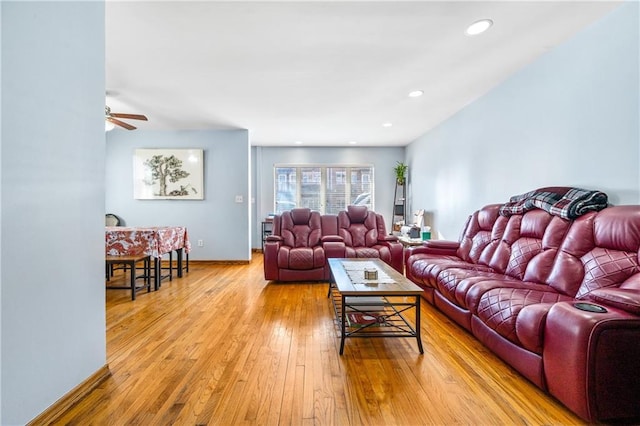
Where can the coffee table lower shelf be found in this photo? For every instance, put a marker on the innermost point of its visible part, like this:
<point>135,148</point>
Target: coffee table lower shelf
<point>367,317</point>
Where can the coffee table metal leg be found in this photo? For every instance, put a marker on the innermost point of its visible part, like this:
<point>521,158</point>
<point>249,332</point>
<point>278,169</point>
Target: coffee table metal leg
<point>343,321</point>
<point>418,325</point>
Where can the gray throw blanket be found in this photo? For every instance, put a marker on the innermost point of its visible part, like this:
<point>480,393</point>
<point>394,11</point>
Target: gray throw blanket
<point>566,202</point>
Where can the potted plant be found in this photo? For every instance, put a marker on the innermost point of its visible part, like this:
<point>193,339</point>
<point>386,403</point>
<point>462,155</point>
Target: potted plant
<point>401,170</point>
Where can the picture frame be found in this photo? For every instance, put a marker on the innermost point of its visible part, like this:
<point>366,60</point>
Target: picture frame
<point>168,174</point>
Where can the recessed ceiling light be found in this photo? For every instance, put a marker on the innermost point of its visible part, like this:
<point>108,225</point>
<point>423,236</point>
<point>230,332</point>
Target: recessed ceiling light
<point>298,142</point>
<point>416,93</point>
<point>387,124</point>
<point>479,27</point>
<point>353,142</point>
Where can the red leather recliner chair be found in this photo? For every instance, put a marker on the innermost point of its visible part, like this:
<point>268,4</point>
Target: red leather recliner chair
<point>364,235</point>
<point>294,251</point>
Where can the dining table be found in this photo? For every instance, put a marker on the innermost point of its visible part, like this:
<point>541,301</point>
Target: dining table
<point>153,241</point>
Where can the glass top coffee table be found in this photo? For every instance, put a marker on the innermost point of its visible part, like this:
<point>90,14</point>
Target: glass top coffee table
<point>365,306</point>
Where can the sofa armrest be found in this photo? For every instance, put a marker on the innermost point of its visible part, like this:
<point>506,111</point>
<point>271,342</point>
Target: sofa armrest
<point>591,360</point>
<point>626,299</point>
<point>271,248</point>
<point>396,250</point>
<point>334,249</point>
<point>435,247</point>
<point>387,238</point>
<point>331,239</point>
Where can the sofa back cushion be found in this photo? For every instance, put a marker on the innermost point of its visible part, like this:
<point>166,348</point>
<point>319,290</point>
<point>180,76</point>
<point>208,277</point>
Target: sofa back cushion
<point>478,239</point>
<point>358,226</point>
<point>534,240</point>
<point>613,261</point>
<point>300,228</point>
<point>596,250</point>
<point>329,224</point>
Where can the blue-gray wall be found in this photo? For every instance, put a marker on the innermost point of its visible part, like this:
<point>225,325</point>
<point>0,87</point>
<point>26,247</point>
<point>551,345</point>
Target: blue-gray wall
<point>569,119</point>
<point>264,158</point>
<point>52,226</point>
<point>220,222</point>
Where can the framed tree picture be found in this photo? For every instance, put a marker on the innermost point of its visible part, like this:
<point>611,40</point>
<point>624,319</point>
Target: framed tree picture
<point>168,174</point>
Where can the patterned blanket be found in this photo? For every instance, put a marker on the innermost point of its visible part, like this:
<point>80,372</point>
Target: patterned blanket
<point>566,202</point>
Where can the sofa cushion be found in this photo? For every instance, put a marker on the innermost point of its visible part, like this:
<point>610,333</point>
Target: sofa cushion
<point>301,258</point>
<point>530,326</point>
<point>481,234</point>
<point>453,283</point>
<point>381,252</point>
<point>499,309</point>
<point>614,259</point>
<point>465,287</point>
<point>300,227</point>
<point>358,227</point>
<point>425,268</point>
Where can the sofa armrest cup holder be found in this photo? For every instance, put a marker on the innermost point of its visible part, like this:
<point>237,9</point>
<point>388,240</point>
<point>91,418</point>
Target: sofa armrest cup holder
<point>590,307</point>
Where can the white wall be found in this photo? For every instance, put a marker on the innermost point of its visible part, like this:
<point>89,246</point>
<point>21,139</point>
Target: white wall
<point>569,119</point>
<point>218,220</point>
<point>52,226</point>
<point>264,158</point>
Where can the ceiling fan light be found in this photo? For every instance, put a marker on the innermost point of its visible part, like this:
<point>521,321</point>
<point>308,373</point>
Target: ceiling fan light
<point>479,27</point>
<point>108,126</point>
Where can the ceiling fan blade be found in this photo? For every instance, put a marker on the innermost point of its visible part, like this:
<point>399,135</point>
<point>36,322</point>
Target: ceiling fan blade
<point>129,116</point>
<point>121,123</point>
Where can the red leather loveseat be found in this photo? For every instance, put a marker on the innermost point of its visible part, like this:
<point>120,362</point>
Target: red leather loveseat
<point>557,299</point>
<point>303,240</point>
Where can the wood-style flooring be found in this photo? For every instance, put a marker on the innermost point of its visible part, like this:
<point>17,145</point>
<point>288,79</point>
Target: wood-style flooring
<point>222,346</point>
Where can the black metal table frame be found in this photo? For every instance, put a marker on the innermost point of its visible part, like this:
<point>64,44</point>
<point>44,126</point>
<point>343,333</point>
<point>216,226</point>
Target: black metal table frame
<point>395,323</point>
<point>180,267</point>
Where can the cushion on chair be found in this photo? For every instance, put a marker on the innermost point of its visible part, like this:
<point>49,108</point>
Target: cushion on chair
<point>301,228</point>
<point>300,216</point>
<point>358,227</point>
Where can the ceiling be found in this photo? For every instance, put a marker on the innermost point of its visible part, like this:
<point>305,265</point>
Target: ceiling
<point>321,73</point>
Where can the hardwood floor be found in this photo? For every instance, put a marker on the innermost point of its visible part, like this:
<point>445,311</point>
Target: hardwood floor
<point>222,346</point>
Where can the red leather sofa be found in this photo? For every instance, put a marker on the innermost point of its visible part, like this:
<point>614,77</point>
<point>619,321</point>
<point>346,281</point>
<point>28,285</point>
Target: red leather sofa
<point>557,299</point>
<point>302,240</point>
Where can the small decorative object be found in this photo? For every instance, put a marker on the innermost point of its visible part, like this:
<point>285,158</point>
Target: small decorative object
<point>166,174</point>
<point>401,170</point>
<point>370,274</point>
<point>426,233</point>
<point>364,319</point>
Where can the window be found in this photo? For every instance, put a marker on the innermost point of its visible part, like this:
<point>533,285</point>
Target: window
<point>327,189</point>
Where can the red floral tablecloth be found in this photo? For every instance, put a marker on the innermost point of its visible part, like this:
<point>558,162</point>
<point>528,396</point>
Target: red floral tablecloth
<point>152,241</point>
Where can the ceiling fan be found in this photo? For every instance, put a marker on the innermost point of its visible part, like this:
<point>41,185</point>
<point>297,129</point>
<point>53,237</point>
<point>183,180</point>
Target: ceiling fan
<point>111,118</point>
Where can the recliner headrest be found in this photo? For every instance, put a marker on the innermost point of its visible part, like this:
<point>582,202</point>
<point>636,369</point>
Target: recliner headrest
<point>357,214</point>
<point>300,216</point>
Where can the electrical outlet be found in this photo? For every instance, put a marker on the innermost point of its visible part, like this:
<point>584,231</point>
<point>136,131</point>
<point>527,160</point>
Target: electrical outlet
<point>239,199</point>
<point>200,243</point>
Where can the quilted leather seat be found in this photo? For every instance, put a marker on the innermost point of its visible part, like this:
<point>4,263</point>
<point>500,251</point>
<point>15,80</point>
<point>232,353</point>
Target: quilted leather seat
<point>297,250</point>
<point>521,284</point>
<point>359,229</point>
<point>300,231</point>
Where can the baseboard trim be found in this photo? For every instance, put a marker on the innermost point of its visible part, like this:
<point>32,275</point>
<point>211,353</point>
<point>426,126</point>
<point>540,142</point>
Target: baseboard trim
<point>58,408</point>
<point>218,262</point>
